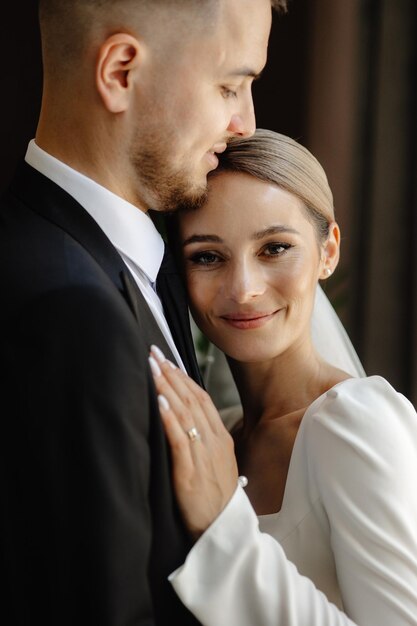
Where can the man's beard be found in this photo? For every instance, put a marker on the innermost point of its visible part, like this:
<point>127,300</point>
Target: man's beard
<point>160,186</point>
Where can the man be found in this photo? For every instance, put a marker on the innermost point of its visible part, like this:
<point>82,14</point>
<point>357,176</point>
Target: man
<point>139,96</point>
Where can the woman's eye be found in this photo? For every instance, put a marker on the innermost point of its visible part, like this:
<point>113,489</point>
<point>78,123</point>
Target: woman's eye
<point>275,249</point>
<point>205,258</point>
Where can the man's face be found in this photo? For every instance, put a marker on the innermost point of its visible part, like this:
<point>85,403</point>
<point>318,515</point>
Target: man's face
<point>192,99</point>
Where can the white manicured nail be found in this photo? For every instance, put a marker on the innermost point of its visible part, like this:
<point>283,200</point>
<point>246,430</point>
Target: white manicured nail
<point>163,403</point>
<point>158,353</point>
<point>154,366</point>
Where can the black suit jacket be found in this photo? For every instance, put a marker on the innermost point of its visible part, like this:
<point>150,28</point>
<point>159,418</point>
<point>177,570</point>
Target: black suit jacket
<point>90,527</point>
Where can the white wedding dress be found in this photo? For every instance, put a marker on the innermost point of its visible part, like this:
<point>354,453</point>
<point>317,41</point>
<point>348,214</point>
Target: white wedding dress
<point>342,550</point>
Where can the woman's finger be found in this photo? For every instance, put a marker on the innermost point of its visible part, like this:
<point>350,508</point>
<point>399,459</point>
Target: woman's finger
<point>173,384</point>
<point>184,405</point>
<point>189,391</point>
<point>177,439</point>
<point>204,473</point>
<point>204,464</point>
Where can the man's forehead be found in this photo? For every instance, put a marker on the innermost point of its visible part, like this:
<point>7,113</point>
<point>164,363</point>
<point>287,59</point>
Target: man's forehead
<point>243,34</point>
<point>236,47</point>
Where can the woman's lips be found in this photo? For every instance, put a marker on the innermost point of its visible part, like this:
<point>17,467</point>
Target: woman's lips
<point>246,321</point>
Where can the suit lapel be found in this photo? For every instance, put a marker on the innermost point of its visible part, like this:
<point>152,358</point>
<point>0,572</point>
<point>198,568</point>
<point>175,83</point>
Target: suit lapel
<point>54,204</point>
<point>144,317</point>
<point>171,290</point>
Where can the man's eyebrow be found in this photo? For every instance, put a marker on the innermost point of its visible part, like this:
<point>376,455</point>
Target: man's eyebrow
<point>245,71</point>
<point>274,230</point>
<point>202,239</point>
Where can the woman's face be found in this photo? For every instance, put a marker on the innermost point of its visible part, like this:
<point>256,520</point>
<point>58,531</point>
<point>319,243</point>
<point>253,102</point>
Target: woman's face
<point>252,263</point>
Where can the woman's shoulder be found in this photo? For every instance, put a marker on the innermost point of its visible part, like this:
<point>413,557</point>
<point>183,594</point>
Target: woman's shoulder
<point>361,431</point>
<point>365,409</point>
<point>354,397</point>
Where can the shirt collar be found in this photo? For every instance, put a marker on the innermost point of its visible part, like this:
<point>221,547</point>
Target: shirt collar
<point>129,229</point>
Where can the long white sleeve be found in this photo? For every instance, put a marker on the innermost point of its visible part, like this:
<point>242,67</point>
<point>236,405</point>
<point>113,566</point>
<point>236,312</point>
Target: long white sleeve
<point>362,460</point>
<point>360,451</point>
<point>238,576</point>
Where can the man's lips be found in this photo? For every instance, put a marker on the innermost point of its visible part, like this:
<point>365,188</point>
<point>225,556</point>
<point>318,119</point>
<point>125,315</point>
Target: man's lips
<point>219,147</point>
<point>246,321</point>
<point>212,154</point>
<point>212,159</point>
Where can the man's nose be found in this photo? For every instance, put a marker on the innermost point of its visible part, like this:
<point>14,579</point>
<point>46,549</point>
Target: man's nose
<point>243,123</point>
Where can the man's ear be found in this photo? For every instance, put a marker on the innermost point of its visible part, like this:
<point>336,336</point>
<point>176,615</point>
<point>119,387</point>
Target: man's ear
<point>330,252</point>
<point>118,58</point>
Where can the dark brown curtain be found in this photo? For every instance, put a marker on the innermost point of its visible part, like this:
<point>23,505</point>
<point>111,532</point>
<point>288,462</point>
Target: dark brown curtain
<point>384,264</point>
<point>362,125</point>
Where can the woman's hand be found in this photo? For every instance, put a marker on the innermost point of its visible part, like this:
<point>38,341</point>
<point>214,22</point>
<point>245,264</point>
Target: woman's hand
<point>204,465</point>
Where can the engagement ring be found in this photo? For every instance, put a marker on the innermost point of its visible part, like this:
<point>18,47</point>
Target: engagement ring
<point>193,434</point>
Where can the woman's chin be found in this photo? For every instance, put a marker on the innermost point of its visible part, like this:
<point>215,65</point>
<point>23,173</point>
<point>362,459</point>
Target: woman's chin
<point>249,353</point>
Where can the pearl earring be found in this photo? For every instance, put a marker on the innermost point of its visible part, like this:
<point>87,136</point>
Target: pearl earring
<point>328,272</point>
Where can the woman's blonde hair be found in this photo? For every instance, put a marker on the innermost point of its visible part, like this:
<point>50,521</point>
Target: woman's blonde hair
<point>280,160</point>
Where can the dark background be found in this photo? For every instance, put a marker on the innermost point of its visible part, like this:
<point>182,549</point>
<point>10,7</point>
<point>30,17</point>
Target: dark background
<point>341,79</point>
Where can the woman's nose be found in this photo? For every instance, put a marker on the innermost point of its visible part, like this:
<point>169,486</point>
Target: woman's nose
<point>245,283</point>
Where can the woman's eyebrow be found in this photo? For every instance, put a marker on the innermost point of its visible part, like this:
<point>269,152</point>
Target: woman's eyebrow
<point>202,239</point>
<point>266,232</point>
<point>274,230</point>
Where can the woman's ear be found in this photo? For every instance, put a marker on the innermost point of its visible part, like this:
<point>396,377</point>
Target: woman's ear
<point>119,57</point>
<point>330,252</point>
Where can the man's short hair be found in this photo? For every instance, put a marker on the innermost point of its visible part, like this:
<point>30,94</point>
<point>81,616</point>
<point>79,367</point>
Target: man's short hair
<point>67,25</point>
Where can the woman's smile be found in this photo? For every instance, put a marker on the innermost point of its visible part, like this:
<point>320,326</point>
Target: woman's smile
<point>248,321</point>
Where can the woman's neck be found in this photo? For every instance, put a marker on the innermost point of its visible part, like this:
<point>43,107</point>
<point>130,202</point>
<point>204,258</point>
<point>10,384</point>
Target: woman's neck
<point>285,384</point>
<point>275,395</point>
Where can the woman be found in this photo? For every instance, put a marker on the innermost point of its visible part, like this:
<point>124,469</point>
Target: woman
<point>330,459</point>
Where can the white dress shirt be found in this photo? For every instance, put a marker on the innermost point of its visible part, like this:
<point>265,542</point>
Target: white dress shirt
<point>130,230</point>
